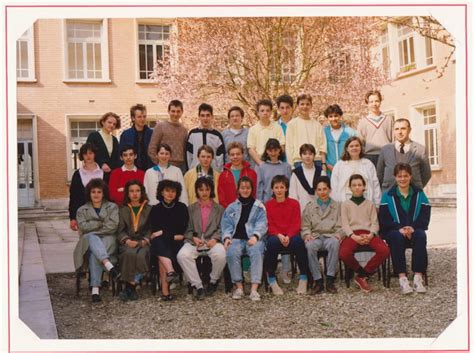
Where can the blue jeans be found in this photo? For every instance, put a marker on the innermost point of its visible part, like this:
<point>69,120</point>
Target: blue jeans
<point>97,253</point>
<point>239,247</point>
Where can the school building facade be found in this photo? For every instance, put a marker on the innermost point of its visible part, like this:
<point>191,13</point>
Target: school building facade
<point>70,72</point>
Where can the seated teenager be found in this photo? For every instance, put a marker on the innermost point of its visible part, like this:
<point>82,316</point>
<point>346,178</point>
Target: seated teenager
<point>321,230</point>
<point>120,176</point>
<point>163,170</point>
<point>134,238</point>
<point>168,219</point>
<point>205,156</point>
<point>203,237</point>
<point>97,220</point>
<point>81,177</point>
<point>233,171</point>
<point>304,176</point>
<point>404,217</point>
<point>244,226</point>
<point>360,225</point>
<point>284,223</point>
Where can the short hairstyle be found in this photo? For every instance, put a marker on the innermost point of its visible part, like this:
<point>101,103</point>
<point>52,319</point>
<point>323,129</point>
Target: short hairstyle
<point>206,182</point>
<point>96,183</point>
<point>136,107</point>
<point>85,148</point>
<point>165,146</point>
<point>168,184</point>
<point>175,103</point>
<point>345,155</point>
<point>204,107</point>
<point>126,148</point>
<point>126,198</point>
<point>372,93</point>
<point>333,109</point>
<point>307,147</point>
<point>207,149</point>
<point>273,144</point>
<point>264,102</point>
<point>113,115</point>
<point>235,109</point>
<point>322,179</point>
<point>401,120</point>
<point>281,179</point>
<point>302,97</point>
<point>357,177</point>
<point>245,179</point>
<point>399,167</point>
<point>233,145</point>
<point>285,99</point>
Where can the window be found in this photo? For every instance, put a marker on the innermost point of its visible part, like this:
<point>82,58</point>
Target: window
<point>283,59</point>
<point>25,63</point>
<point>385,52</point>
<point>86,50</point>
<point>339,67</point>
<point>406,48</point>
<point>430,128</point>
<point>79,132</point>
<point>429,51</point>
<point>153,45</point>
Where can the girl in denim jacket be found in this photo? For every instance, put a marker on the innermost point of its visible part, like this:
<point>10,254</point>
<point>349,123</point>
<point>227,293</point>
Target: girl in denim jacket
<point>244,226</point>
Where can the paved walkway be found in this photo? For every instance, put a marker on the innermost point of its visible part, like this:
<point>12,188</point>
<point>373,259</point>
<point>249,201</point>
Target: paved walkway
<point>48,247</point>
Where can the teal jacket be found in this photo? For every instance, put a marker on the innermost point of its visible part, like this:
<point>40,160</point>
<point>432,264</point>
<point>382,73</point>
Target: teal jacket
<point>335,149</point>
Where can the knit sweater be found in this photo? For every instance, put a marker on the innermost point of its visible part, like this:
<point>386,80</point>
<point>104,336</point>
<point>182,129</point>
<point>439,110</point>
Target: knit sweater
<point>300,131</point>
<point>226,187</point>
<point>172,134</point>
<point>375,135</point>
<point>283,217</point>
<point>265,173</point>
<point>359,217</point>
<point>155,174</point>
<point>118,179</point>
<point>241,136</point>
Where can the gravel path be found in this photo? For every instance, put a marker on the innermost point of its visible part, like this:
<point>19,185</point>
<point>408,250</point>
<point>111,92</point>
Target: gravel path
<point>347,314</point>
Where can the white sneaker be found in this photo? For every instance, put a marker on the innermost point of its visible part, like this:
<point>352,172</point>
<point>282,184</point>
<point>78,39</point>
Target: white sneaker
<point>254,296</point>
<point>302,287</point>
<point>285,277</point>
<point>173,286</point>
<point>405,287</point>
<point>238,293</point>
<point>276,290</point>
<point>418,286</point>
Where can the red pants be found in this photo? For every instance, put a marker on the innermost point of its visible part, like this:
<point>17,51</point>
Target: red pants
<point>349,246</point>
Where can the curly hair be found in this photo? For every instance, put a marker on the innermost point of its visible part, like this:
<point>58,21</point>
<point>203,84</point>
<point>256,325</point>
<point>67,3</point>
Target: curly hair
<point>168,184</point>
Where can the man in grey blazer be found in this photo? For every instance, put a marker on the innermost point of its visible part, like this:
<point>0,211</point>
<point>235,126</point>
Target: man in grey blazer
<point>403,150</point>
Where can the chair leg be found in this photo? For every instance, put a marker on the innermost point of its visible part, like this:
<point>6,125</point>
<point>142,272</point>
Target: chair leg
<point>78,281</point>
<point>341,270</point>
<point>389,271</point>
<point>227,280</point>
<point>348,275</point>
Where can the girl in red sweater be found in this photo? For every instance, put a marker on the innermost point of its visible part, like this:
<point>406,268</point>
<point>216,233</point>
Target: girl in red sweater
<point>284,223</point>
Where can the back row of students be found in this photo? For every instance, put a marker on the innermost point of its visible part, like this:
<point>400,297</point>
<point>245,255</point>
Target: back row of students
<point>171,233</point>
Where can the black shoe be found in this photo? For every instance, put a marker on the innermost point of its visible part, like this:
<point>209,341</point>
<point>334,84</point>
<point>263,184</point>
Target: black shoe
<point>133,295</point>
<point>123,295</point>
<point>331,288</point>
<point>318,288</point>
<point>167,298</point>
<point>200,294</point>
<point>96,298</point>
<point>115,274</point>
<point>172,277</point>
<point>211,288</point>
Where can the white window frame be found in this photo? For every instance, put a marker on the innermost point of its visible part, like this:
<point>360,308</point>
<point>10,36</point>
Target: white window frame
<point>289,74</point>
<point>385,44</point>
<point>104,46</point>
<point>172,48</point>
<point>402,38</point>
<point>34,125</point>
<point>29,37</point>
<point>420,126</point>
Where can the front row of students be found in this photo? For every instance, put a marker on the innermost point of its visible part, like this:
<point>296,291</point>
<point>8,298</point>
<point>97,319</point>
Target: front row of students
<point>174,235</point>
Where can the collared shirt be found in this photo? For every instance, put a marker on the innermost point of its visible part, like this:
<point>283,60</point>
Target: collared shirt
<point>406,146</point>
<point>88,175</point>
<point>323,204</point>
<point>405,201</point>
<point>283,124</point>
<point>206,209</point>
<point>124,169</point>
<point>259,135</point>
